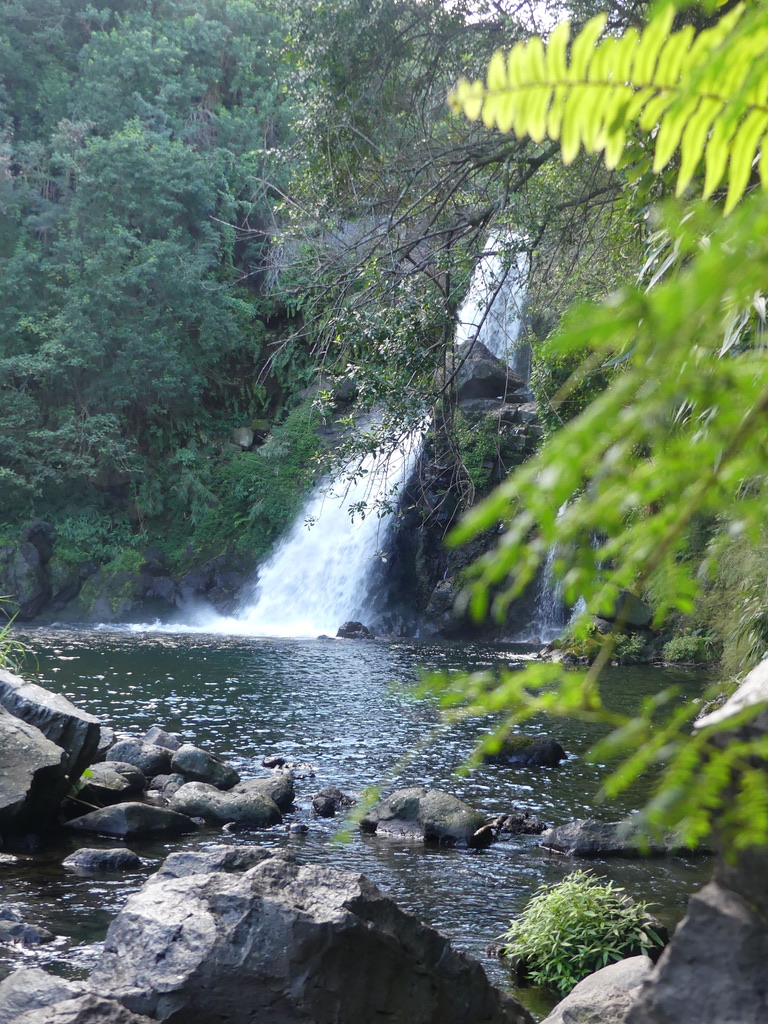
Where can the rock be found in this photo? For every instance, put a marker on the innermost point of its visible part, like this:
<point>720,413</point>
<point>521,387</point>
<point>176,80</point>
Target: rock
<point>150,757</point>
<point>591,838</point>
<point>42,536</point>
<point>212,858</point>
<point>425,815</point>
<point>354,631</point>
<point>328,802</point>
<point>482,375</point>
<point>85,1009</point>
<point>290,944</point>
<point>714,968</point>
<point>23,579</point>
<point>605,996</point>
<point>160,738</point>
<point>167,785</point>
<point>274,761</point>
<point>519,823</point>
<point>110,782</point>
<point>242,437</point>
<point>106,740</point>
<point>23,934</point>
<point>533,751</point>
<point>630,611</point>
<point>133,821</point>
<point>89,861</point>
<point>57,718</point>
<point>198,765</point>
<point>32,776</point>
<point>31,988</point>
<point>245,804</point>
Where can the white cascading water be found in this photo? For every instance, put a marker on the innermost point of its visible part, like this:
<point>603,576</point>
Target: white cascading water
<point>322,573</point>
<point>550,616</point>
<point>493,309</point>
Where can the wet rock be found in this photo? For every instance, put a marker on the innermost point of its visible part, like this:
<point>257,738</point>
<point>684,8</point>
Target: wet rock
<point>90,861</point>
<point>274,761</point>
<point>482,375</point>
<point>32,776</point>
<point>160,738</point>
<point>519,823</point>
<point>606,996</point>
<point>198,765</point>
<point>23,580</point>
<point>354,631</point>
<point>31,988</point>
<point>133,821</point>
<point>167,785</point>
<point>289,943</point>
<point>425,815</point>
<point>591,838</point>
<point>329,801</point>
<point>75,731</point>
<point>150,757</point>
<point>529,751</point>
<point>14,929</point>
<point>106,740</point>
<point>212,858</point>
<point>85,1009</point>
<point>110,782</point>
<point>245,804</point>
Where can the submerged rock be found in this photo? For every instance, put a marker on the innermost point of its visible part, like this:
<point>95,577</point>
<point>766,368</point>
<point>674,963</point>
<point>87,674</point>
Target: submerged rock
<point>329,801</point>
<point>133,820</point>
<point>591,838</point>
<point>291,944</point>
<point>89,860</point>
<point>427,815</point>
<point>532,751</point>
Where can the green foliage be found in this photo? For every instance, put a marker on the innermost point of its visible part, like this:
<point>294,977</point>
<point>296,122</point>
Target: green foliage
<point>704,93</point>
<point>90,536</point>
<point>572,929</point>
<point>689,647</point>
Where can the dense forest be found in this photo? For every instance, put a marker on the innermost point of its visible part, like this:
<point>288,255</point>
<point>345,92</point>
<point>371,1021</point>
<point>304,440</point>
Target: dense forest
<point>226,217</point>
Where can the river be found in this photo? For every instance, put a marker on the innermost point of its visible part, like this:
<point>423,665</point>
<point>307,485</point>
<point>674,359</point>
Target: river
<point>350,711</point>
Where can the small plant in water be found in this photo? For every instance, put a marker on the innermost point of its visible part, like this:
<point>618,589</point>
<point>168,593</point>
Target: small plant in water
<point>569,930</point>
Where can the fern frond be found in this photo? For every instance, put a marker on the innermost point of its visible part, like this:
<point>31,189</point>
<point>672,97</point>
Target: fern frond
<point>705,95</point>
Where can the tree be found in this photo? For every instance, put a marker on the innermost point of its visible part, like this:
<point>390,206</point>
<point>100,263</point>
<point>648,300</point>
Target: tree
<point>680,430</point>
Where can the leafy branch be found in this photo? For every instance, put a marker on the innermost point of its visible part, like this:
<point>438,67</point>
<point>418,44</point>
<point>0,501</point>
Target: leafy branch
<point>705,94</point>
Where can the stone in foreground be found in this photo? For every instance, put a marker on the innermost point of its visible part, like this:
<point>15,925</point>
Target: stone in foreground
<point>32,776</point>
<point>245,805</point>
<point>31,988</point>
<point>90,860</point>
<point>85,1009</point>
<point>290,944</point>
<point>605,996</point>
<point>429,816</point>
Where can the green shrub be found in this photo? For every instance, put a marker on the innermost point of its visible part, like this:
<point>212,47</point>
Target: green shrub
<point>688,647</point>
<point>569,930</point>
<point>630,649</point>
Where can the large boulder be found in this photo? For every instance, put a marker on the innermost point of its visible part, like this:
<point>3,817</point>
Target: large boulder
<point>152,758</point>
<point>133,821</point>
<point>288,943</point>
<point>480,374</point>
<point>605,996</point>
<point>528,751</point>
<point>246,805</point>
<point>57,718</point>
<point>23,579</point>
<point>588,837</point>
<point>428,816</point>
<point>32,776</point>
<point>110,782</point>
<point>31,988</point>
<point>197,765</point>
<point>85,1009</point>
<point>93,861</point>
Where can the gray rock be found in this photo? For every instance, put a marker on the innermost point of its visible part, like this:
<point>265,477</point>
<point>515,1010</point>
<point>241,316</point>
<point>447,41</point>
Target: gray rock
<point>591,838</point>
<point>329,801</point>
<point>630,611</point>
<point>713,971</point>
<point>245,805</point>
<point>167,785</point>
<point>90,861</point>
<point>23,579</point>
<point>31,988</point>
<point>605,996</point>
<point>198,765</point>
<point>32,776</point>
<point>529,751</point>
<point>106,740</point>
<point>426,815</point>
<point>160,738</point>
<point>110,782</point>
<point>133,820</point>
<point>212,858</point>
<point>24,934</point>
<point>57,718</point>
<point>354,631</point>
<point>85,1009</point>
<point>242,437</point>
<point>150,757</point>
<point>291,944</point>
<point>482,375</point>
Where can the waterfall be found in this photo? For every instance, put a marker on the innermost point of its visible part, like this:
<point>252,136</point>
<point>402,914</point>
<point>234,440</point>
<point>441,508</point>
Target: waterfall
<point>498,323</point>
<point>324,571</point>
